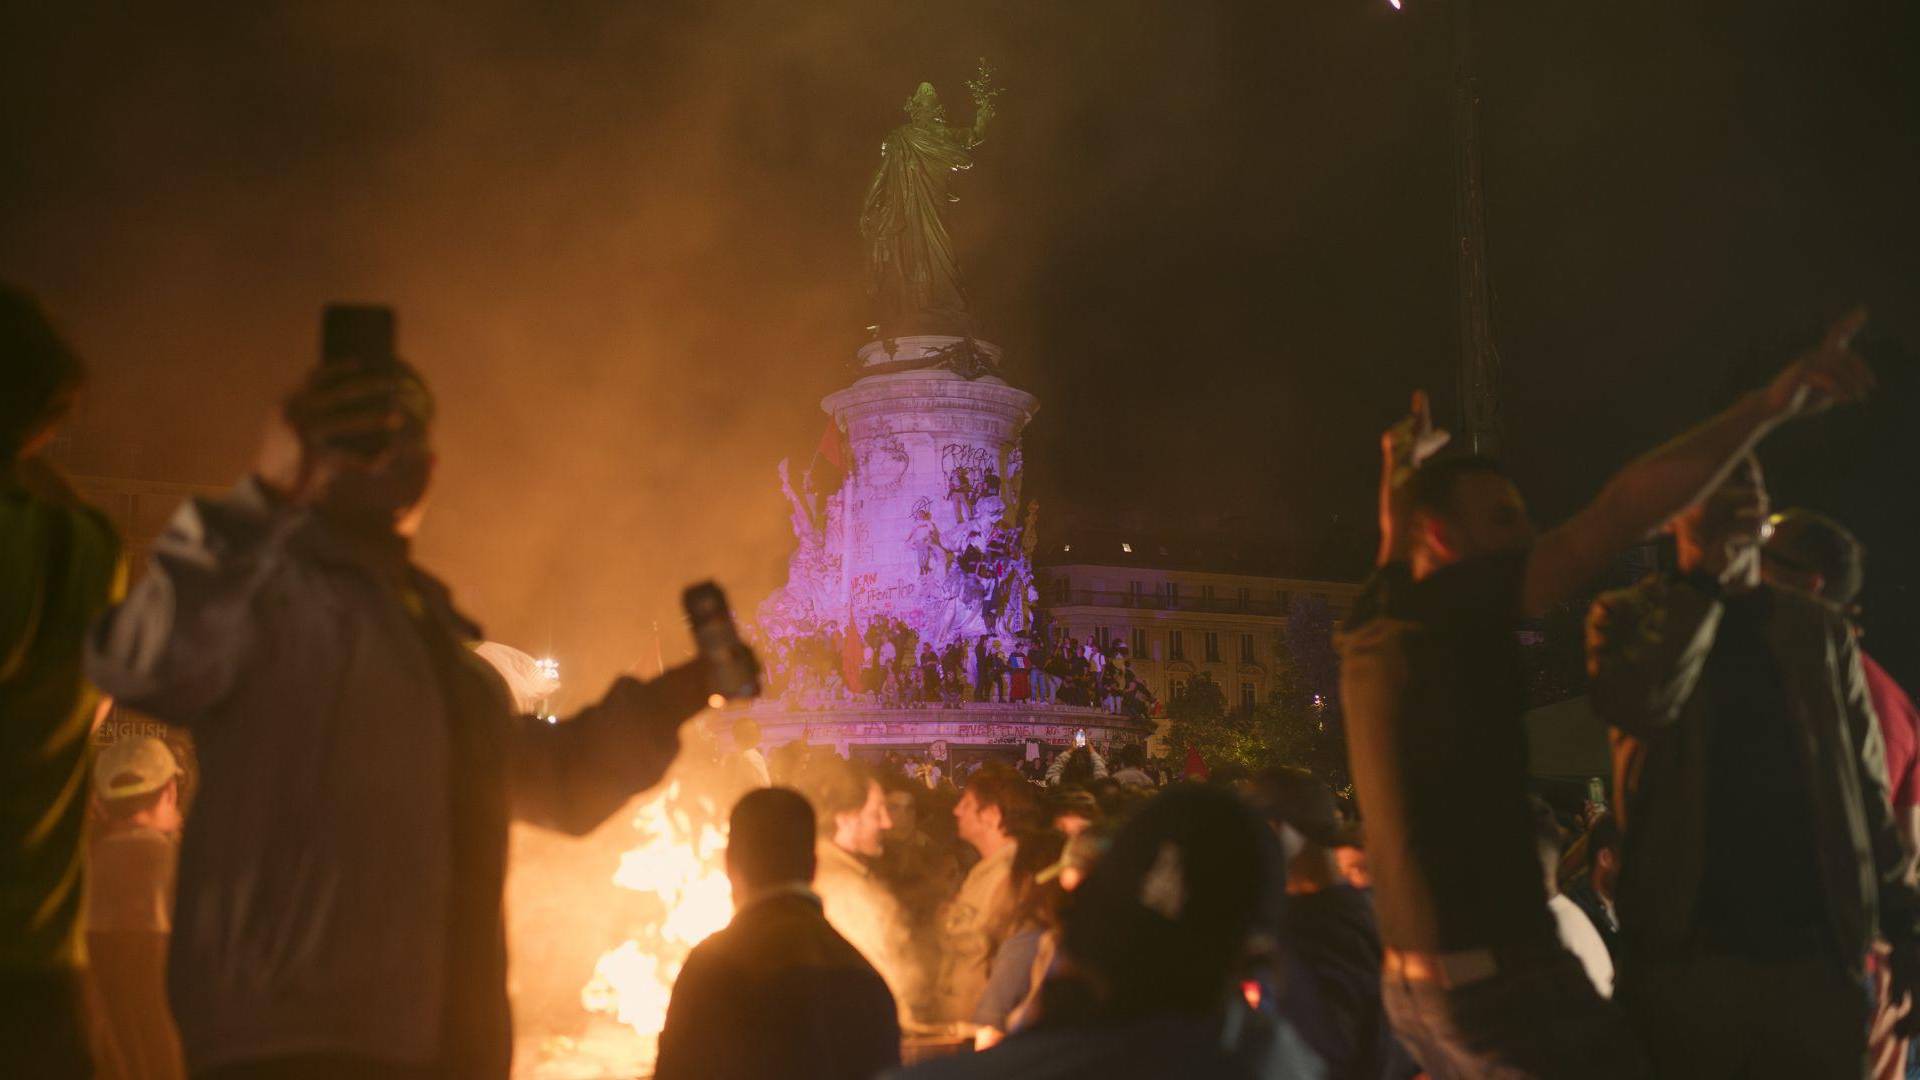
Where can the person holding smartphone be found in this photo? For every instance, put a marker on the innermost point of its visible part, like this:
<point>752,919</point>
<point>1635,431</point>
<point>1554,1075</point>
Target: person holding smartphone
<point>339,887</point>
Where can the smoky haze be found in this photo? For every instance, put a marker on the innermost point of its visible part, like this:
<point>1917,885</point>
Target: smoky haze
<point>620,240</point>
<point>1213,237</point>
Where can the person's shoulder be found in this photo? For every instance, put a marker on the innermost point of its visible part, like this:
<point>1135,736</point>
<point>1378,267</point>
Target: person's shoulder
<point>61,507</point>
<point>1482,576</point>
<point>715,961</point>
<point>40,530</point>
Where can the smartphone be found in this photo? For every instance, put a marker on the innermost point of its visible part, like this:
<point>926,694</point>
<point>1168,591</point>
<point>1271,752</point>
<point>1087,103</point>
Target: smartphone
<point>736,673</point>
<point>357,334</point>
<point>1080,737</point>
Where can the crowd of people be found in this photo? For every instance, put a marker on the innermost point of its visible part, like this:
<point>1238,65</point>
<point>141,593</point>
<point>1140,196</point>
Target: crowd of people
<point>886,665</point>
<point>1746,907</point>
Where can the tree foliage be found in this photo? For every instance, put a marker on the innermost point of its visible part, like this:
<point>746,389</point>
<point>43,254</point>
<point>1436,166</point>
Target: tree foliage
<point>1298,724</point>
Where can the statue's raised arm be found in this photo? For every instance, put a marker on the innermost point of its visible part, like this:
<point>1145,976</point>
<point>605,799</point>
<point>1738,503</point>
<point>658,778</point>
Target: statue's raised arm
<point>913,275</point>
<point>983,90</point>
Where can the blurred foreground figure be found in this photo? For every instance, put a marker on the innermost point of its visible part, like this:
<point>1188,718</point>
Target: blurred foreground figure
<point>1326,982</point>
<point>777,993</point>
<point>340,883</point>
<point>59,568</point>
<point>1476,981</point>
<point>1758,848</point>
<point>1179,912</point>
<point>130,874</point>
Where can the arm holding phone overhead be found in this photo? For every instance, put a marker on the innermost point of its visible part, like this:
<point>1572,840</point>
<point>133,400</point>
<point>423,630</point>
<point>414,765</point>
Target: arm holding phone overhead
<point>571,776</point>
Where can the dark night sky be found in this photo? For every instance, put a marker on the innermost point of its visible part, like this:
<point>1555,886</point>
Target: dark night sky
<point>1212,236</point>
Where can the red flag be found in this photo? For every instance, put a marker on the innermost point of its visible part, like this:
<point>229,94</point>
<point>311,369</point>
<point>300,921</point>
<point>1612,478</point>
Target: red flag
<point>828,469</point>
<point>832,447</point>
<point>853,655</point>
<point>1196,766</point>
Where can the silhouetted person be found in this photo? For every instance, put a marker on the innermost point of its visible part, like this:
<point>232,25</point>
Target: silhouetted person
<point>1593,884</point>
<point>339,896</point>
<point>777,993</point>
<point>1759,853</point>
<point>1431,676</point>
<point>59,568</point>
<point>1815,554</point>
<point>1578,933</point>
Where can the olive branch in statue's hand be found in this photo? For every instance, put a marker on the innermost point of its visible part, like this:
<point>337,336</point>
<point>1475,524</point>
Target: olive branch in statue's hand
<point>982,88</point>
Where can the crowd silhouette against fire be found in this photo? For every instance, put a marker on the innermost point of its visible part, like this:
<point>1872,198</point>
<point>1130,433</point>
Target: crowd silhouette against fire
<point>1741,905</point>
<point>885,664</point>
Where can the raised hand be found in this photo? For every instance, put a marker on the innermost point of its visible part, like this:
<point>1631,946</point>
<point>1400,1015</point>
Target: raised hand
<point>1829,374</point>
<point>351,441</point>
<point>1414,439</point>
<point>1402,448</point>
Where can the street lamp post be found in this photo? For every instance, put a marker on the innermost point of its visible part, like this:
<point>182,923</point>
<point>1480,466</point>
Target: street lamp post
<point>1479,375</point>
<point>1477,379</point>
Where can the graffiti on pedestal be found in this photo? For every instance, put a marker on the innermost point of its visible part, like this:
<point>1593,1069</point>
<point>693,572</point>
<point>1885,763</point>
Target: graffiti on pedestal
<point>883,463</point>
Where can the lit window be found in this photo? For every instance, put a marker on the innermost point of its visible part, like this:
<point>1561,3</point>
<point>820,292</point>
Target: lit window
<point>1128,548</point>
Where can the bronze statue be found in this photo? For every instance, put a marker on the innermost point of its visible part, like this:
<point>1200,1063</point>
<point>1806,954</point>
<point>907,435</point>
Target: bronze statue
<point>909,252</point>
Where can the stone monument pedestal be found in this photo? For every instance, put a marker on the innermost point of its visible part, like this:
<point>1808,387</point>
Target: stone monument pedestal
<point>912,437</point>
<point>926,532</point>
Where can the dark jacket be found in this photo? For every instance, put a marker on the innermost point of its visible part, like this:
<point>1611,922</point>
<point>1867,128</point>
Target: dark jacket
<point>778,994</point>
<point>340,879</point>
<point>1646,649</point>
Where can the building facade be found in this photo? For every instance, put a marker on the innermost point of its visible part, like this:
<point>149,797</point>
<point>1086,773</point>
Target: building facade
<point>1179,621</point>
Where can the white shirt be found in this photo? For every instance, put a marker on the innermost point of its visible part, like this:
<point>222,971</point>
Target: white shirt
<point>757,765</point>
<point>1583,941</point>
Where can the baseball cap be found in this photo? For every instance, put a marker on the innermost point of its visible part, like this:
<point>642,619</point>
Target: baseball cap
<point>1804,540</point>
<point>133,765</point>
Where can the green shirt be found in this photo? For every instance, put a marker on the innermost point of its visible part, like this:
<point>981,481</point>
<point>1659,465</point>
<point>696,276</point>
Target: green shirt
<point>59,569</point>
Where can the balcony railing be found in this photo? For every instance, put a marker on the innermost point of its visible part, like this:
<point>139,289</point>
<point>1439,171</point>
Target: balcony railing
<point>1222,605</point>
